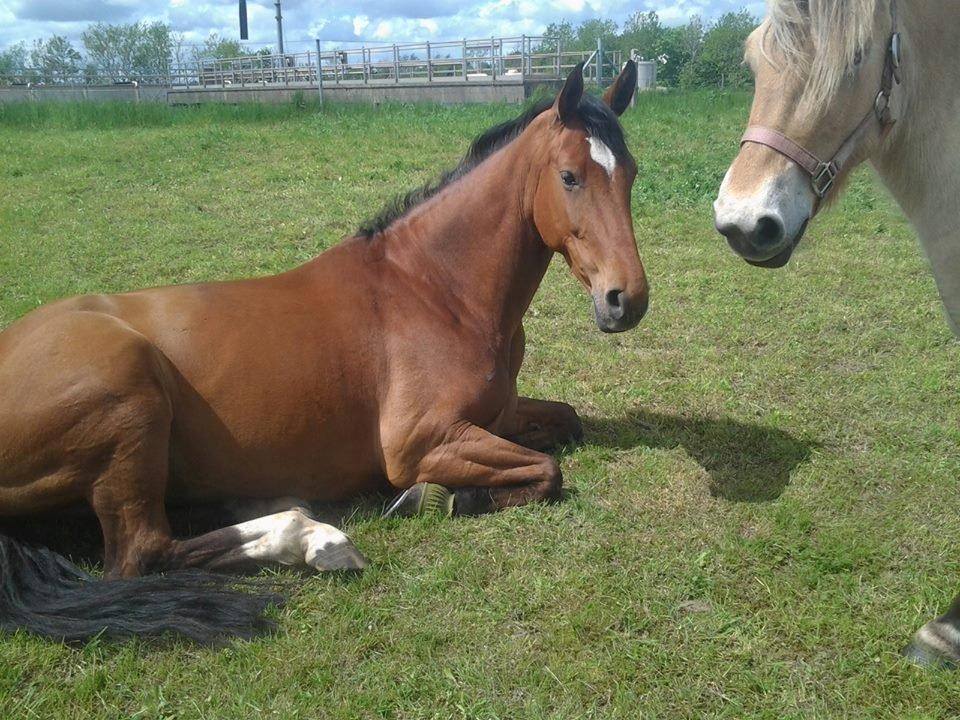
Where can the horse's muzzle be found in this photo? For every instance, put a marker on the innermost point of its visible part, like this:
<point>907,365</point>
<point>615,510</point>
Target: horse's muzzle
<point>615,311</point>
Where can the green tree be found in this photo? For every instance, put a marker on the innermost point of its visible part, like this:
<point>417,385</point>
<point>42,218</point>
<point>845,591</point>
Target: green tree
<point>218,48</point>
<point>126,51</point>
<point>644,33</point>
<point>682,47</point>
<point>559,31</point>
<point>589,31</point>
<point>720,62</point>
<point>13,60</point>
<point>55,59</point>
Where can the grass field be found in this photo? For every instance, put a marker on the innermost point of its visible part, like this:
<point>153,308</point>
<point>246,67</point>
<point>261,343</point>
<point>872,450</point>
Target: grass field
<point>763,511</point>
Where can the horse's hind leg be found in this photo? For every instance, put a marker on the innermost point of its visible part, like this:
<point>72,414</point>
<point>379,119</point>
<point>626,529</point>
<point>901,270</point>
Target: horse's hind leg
<point>292,537</point>
<point>85,414</point>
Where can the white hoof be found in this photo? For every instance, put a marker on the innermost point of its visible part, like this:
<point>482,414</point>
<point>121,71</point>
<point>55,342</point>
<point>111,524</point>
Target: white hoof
<point>329,549</point>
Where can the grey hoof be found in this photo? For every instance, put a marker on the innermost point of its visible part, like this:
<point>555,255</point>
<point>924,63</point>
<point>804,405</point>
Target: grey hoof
<point>935,646</point>
<point>421,499</point>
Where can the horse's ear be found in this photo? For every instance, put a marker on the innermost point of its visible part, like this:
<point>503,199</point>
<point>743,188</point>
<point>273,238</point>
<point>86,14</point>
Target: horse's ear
<point>619,95</point>
<point>569,98</point>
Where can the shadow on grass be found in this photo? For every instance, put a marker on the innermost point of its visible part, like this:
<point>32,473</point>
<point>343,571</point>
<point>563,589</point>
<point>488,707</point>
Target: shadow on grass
<point>746,462</point>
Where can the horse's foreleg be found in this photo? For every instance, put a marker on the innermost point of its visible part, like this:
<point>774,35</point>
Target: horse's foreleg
<point>937,643</point>
<point>538,424</point>
<point>484,472</point>
<point>292,537</point>
<point>543,424</point>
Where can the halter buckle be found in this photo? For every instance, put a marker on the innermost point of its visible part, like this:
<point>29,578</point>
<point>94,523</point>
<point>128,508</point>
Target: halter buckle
<point>895,49</point>
<point>823,178</point>
<point>881,107</point>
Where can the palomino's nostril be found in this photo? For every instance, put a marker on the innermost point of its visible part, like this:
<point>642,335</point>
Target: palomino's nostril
<point>769,231</point>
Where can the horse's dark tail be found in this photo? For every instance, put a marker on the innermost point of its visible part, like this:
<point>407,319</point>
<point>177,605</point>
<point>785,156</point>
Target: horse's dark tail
<point>45,594</point>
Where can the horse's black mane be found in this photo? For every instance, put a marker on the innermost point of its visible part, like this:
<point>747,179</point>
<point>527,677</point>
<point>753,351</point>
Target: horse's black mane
<point>598,119</point>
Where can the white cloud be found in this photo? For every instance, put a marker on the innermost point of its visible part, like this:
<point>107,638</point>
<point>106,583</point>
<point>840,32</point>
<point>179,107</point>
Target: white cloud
<point>361,20</point>
<point>360,23</point>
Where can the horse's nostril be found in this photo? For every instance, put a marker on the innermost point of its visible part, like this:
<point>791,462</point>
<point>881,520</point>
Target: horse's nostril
<point>769,231</point>
<point>614,298</point>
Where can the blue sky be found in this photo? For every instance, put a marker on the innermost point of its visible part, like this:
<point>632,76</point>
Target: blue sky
<point>369,21</point>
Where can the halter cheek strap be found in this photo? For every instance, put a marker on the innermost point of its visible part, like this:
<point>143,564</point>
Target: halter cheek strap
<point>823,172</point>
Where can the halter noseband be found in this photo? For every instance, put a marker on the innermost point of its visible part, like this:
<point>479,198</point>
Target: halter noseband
<point>823,173</point>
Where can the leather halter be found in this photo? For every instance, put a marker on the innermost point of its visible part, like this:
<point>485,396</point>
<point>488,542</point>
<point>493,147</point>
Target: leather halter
<point>823,172</point>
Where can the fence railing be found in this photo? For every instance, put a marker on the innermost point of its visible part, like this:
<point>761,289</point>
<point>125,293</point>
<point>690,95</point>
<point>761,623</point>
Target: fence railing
<point>506,59</point>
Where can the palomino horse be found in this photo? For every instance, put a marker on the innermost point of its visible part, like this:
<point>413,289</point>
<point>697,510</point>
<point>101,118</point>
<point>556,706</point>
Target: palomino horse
<point>389,360</point>
<point>838,83</point>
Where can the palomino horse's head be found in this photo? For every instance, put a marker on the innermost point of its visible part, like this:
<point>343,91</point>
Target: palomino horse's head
<point>581,206</point>
<point>824,72</point>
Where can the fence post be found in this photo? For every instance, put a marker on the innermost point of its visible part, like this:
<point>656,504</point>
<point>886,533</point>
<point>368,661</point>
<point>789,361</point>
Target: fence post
<point>523,55</point>
<point>396,63</point>
<point>493,59</point>
<point>599,62</point>
<point>464,56</point>
<point>429,65</point>
<point>559,58</point>
<point>319,74</point>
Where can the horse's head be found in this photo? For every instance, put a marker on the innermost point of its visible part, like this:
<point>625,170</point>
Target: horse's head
<point>581,205</point>
<point>824,73</point>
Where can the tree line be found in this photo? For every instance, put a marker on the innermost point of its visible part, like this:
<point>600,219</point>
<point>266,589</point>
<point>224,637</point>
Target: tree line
<point>696,54</point>
<point>119,52</point>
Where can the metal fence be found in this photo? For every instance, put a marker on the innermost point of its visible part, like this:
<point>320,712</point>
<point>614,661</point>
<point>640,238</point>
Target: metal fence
<point>505,59</point>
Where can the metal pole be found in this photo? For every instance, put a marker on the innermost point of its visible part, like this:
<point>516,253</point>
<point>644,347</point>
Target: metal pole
<point>599,62</point>
<point>464,56</point>
<point>523,55</point>
<point>279,29</point>
<point>396,63</point>
<point>429,66</point>
<point>319,74</point>
<point>493,59</point>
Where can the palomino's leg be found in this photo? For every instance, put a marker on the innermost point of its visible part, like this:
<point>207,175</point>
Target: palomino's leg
<point>938,642</point>
<point>291,537</point>
<point>543,424</point>
<point>484,472</point>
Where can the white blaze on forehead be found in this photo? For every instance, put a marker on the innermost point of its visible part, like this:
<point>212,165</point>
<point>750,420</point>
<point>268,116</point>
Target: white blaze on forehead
<point>602,155</point>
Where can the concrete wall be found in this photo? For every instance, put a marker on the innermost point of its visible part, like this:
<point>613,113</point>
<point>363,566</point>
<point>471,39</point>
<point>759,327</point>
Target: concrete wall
<point>457,92</point>
<point>93,93</point>
<point>450,92</point>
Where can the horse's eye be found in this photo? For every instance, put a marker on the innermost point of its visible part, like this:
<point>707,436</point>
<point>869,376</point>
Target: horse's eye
<point>857,57</point>
<point>569,179</point>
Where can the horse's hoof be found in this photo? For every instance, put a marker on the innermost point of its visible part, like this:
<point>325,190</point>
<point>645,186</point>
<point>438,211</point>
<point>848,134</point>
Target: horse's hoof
<point>936,646</point>
<point>421,499</point>
<point>329,549</point>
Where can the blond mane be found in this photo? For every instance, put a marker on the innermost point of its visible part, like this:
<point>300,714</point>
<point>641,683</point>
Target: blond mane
<point>837,29</point>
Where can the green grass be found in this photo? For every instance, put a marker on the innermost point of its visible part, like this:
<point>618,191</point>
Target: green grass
<point>763,511</point>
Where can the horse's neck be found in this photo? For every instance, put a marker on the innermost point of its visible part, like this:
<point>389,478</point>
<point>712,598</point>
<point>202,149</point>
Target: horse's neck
<point>474,243</point>
<point>922,163</point>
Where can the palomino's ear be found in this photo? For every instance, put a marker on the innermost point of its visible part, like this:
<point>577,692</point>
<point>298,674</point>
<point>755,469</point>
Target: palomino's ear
<point>619,95</point>
<point>569,98</point>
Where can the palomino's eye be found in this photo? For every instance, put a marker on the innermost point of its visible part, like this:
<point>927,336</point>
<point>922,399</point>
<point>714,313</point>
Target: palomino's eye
<point>569,179</point>
<point>857,57</point>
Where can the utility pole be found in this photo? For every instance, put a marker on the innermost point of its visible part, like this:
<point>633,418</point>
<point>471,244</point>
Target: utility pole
<point>279,29</point>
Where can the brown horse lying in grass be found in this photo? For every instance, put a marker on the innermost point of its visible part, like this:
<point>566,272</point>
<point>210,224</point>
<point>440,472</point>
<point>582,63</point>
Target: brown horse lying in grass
<point>390,358</point>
